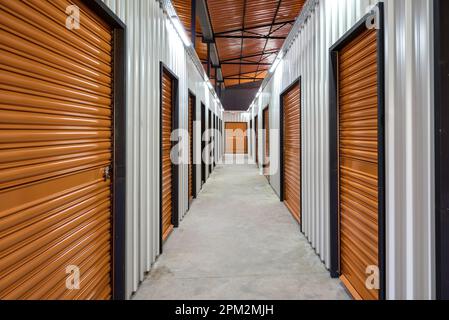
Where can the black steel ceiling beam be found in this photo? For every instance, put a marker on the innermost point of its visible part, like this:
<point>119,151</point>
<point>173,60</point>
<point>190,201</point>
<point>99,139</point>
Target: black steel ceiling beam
<point>243,74</point>
<point>277,29</point>
<point>193,23</point>
<point>203,14</point>
<point>239,78</point>
<point>251,37</point>
<point>271,28</point>
<point>246,63</point>
<point>255,55</point>
<point>247,29</point>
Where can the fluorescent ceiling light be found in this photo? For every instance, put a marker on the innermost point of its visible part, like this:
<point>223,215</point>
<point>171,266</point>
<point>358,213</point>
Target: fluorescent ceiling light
<point>182,33</point>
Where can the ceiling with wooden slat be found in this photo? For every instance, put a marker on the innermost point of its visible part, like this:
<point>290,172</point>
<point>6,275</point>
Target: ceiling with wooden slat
<point>248,34</point>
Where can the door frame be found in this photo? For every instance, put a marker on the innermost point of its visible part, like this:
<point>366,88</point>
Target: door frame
<point>441,34</point>
<point>267,108</point>
<point>203,143</point>
<point>209,127</point>
<point>215,140</point>
<point>193,97</point>
<point>118,272</point>
<point>250,142</point>
<point>298,81</point>
<point>359,27</point>
<point>256,138</point>
<point>175,167</point>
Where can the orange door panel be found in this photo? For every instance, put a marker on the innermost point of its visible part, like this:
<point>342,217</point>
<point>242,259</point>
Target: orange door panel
<point>292,151</point>
<point>55,152</point>
<point>167,169</point>
<point>358,162</point>
<point>236,137</point>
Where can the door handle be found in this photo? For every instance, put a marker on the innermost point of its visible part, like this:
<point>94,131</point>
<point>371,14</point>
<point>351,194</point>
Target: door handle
<point>107,173</point>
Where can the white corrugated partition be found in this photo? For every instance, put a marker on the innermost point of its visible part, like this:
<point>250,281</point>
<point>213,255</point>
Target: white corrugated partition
<point>409,131</point>
<point>151,38</point>
<point>236,116</point>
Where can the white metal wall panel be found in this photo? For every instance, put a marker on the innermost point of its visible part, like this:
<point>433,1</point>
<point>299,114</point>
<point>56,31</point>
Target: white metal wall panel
<point>410,149</point>
<point>230,116</point>
<point>151,38</point>
<point>409,132</point>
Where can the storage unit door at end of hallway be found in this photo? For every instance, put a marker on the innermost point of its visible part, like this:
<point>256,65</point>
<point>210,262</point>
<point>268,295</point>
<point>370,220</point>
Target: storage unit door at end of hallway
<point>292,151</point>
<point>358,158</point>
<point>167,167</point>
<point>236,137</point>
<point>55,148</point>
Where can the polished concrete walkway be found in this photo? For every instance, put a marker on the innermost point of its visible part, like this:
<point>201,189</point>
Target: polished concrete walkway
<point>238,241</point>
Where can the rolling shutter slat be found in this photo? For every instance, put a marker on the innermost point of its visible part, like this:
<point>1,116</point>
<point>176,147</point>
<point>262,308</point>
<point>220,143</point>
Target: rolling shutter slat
<point>167,126</point>
<point>358,154</point>
<point>55,143</point>
<point>234,143</point>
<point>292,151</point>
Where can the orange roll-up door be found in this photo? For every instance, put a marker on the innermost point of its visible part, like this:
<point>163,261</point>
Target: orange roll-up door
<point>358,161</point>
<point>167,171</point>
<point>292,151</point>
<point>236,137</point>
<point>55,152</point>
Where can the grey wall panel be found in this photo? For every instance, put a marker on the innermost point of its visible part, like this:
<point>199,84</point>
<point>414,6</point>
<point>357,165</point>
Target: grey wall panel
<point>151,38</point>
<point>236,116</point>
<point>409,131</point>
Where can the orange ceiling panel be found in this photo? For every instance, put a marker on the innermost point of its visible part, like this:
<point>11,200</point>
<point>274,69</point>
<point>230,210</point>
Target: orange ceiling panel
<point>260,12</point>
<point>183,9</point>
<point>244,31</point>
<point>201,48</point>
<point>228,48</point>
<point>289,9</point>
<point>226,14</point>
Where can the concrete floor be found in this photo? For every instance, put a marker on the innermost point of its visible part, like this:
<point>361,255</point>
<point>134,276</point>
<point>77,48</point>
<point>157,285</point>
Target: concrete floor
<point>237,242</point>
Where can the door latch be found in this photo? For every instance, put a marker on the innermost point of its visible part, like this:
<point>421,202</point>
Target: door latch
<point>107,173</point>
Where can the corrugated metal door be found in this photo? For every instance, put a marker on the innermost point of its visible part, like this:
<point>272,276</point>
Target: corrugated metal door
<point>236,137</point>
<point>266,127</point>
<point>190,120</point>
<point>55,152</point>
<point>292,151</point>
<point>167,168</point>
<point>358,162</point>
